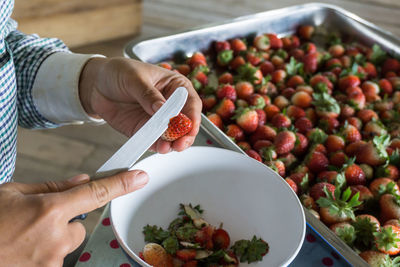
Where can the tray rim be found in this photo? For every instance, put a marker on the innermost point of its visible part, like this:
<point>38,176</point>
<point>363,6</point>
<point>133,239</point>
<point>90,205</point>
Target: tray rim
<point>217,135</point>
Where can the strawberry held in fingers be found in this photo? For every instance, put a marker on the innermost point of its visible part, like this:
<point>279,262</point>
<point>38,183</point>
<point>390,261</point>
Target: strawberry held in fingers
<point>178,126</point>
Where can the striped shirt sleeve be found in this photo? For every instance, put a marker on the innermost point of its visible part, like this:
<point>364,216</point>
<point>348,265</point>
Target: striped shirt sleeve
<point>28,52</point>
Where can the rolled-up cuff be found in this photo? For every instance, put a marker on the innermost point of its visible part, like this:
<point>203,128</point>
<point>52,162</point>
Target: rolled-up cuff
<point>56,89</point>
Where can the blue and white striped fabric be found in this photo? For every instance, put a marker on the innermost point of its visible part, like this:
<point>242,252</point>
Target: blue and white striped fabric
<point>20,58</point>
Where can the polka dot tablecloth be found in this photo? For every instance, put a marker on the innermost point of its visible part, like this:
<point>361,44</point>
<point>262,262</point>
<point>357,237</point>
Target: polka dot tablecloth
<point>103,249</point>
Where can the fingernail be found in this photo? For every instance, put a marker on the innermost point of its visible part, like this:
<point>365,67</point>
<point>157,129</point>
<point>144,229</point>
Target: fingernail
<point>79,179</point>
<point>157,105</point>
<point>141,179</point>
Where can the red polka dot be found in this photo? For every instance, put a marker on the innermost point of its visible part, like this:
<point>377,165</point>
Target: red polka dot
<point>114,244</point>
<point>310,238</point>
<point>125,265</point>
<point>209,142</point>
<point>106,222</point>
<point>327,261</point>
<point>335,255</point>
<point>85,256</point>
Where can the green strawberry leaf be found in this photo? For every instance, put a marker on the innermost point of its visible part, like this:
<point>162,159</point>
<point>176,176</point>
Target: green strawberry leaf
<point>250,250</point>
<point>365,230</point>
<point>386,238</point>
<point>186,232</point>
<point>318,136</point>
<point>347,234</point>
<point>293,67</point>
<point>224,57</point>
<point>378,55</point>
<point>394,159</point>
<point>154,234</point>
<point>381,143</point>
<point>304,184</point>
<point>325,102</point>
<point>171,245</point>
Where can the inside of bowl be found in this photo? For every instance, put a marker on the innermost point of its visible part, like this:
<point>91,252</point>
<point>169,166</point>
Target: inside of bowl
<point>249,199</point>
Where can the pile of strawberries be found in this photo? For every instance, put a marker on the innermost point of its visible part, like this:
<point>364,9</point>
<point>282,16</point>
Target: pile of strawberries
<point>326,119</point>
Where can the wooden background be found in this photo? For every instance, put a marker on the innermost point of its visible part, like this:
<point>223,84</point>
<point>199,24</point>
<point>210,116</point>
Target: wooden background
<point>69,150</point>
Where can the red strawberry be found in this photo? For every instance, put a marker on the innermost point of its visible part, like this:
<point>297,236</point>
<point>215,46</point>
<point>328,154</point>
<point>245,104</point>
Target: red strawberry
<point>237,62</point>
<point>303,125</point>
<point>209,101</point>
<point>374,128</point>
<point>382,186</point>
<point>225,109</point>
<point>184,69</point>
<point>238,45</point>
<point>267,67</point>
<point>309,48</point>
<point>351,134</point>
<point>288,92</point>
<point>353,148</point>
<point>317,162</point>
<point>301,99</point>
<point>274,41</point>
<point>310,62</point>
<point>336,50</point>
<point>165,65</point>
<point>197,59</point>
<point>268,153</point>
<point>244,145</point>
<point>261,144</point>
<point>386,86</point>
<point>357,100</point>
<point>301,144</point>
<point>349,81</point>
<point>346,111</point>
<point>244,90</point>
<point>202,78</point>
<point>356,122</point>
<point>371,91</point>
<point>226,91</point>
<point>317,190</point>
<point>297,53</point>
<point>295,112</point>
<point>334,143</point>
<point>252,153</point>
<point>271,110</point>
<point>221,239</point>
<point>393,222</point>
<point>388,240</point>
<point>376,258</point>
<point>391,64</point>
<point>262,117</point>
<point>338,159</point>
<point>374,153</point>
<point>257,101</point>
<point>284,142</point>
<point>222,45</point>
<point>234,131</point>
<point>278,166</point>
<point>328,124</point>
<point>186,254</point>
<point>278,76</point>
<point>225,78</point>
<point>215,119</point>
<point>247,119</point>
<point>178,126</point>
<point>306,31</point>
<point>263,132</point>
<point>281,102</point>
<point>354,175</point>
<point>295,81</point>
<point>280,121</point>
<point>327,176</point>
<point>390,207</point>
<point>308,202</point>
<point>204,237</point>
<point>293,185</point>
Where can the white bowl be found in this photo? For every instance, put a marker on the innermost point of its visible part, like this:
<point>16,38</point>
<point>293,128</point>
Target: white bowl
<point>247,196</point>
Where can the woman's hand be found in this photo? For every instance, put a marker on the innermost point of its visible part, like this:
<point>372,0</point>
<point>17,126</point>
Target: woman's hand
<point>34,218</point>
<point>126,92</point>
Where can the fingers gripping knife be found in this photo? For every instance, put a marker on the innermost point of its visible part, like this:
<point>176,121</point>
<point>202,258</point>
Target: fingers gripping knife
<point>142,140</point>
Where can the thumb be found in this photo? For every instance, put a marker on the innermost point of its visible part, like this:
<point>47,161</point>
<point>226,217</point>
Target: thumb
<point>150,98</point>
<point>93,195</point>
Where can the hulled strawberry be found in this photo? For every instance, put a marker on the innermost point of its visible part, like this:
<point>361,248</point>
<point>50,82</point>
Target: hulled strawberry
<point>388,240</point>
<point>178,126</point>
<point>247,119</point>
<point>284,142</point>
<point>338,207</point>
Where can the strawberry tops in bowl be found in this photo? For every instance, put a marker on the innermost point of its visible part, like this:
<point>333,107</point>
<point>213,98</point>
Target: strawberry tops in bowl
<point>245,195</point>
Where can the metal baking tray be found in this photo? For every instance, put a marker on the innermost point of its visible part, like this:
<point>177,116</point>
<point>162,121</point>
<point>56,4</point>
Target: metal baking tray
<point>283,22</point>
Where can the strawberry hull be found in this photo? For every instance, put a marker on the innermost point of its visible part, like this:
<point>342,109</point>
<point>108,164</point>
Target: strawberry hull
<point>334,19</point>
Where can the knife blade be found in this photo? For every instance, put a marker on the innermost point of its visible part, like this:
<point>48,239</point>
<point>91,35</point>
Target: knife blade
<point>141,141</point>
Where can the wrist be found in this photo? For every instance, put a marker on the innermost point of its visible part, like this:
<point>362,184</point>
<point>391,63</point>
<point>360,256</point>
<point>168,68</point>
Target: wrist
<point>88,83</point>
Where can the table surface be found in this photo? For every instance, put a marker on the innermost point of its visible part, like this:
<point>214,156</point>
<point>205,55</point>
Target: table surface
<point>103,249</point>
